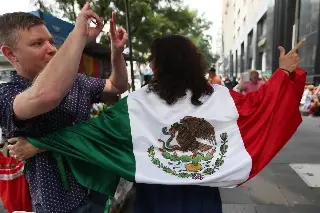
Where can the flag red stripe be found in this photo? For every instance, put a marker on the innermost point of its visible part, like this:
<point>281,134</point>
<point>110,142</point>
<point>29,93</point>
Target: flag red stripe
<point>269,117</point>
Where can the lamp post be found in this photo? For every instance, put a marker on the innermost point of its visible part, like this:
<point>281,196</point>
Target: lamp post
<point>130,42</point>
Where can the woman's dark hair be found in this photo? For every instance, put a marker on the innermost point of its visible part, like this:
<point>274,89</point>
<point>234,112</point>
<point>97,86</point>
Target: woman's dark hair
<point>178,66</point>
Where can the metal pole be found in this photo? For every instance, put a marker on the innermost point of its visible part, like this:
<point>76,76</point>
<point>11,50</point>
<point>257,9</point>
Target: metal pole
<point>130,42</point>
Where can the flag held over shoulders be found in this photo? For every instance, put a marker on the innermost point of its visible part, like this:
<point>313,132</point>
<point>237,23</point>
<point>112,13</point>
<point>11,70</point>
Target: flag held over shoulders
<point>224,142</point>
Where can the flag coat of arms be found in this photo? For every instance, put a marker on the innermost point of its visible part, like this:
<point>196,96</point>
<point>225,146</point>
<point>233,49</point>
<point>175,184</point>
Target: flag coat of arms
<point>224,142</point>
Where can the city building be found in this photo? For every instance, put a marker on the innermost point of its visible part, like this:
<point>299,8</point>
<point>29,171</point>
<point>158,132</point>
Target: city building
<point>244,35</point>
<point>254,29</point>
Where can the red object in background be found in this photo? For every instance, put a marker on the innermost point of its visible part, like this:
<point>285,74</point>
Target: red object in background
<point>90,66</point>
<point>14,189</point>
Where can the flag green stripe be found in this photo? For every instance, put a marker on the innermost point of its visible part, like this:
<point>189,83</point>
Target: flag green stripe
<point>99,150</point>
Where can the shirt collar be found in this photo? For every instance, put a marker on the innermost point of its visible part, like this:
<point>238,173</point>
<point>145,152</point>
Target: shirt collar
<point>15,78</point>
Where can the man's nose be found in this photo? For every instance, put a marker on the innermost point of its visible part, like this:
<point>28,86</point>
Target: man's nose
<point>51,48</point>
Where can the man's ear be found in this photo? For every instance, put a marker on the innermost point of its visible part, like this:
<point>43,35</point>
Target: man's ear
<point>9,54</point>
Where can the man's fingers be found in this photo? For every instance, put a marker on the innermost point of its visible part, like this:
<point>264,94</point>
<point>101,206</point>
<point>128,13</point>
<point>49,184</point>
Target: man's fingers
<point>90,14</point>
<point>111,30</point>
<point>86,6</point>
<point>122,33</point>
<point>100,24</point>
<point>282,51</point>
<point>124,39</point>
<point>114,17</point>
<point>10,147</point>
<point>12,140</point>
<point>295,49</point>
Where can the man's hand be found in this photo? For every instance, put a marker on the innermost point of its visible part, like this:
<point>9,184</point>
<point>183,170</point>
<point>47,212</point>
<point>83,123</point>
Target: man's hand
<point>22,149</point>
<point>264,78</point>
<point>118,37</point>
<point>82,26</point>
<point>290,61</point>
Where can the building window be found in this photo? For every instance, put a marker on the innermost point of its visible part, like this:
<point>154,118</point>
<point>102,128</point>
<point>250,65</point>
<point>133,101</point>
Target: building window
<point>231,64</point>
<point>259,61</point>
<point>250,50</point>
<point>242,58</point>
<point>238,31</point>
<point>236,67</point>
<point>250,38</point>
<point>262,28</point>
<point>244,21</point>
<point>238,12</point>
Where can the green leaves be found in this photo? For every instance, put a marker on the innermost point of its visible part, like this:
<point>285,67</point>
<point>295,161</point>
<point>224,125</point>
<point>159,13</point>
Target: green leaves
<point>149,19</point>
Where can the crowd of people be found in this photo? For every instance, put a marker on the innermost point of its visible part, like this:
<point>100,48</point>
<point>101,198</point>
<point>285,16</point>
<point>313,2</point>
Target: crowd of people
<point>241,85</point>
<point>72,162</point>
<point>310,104</point>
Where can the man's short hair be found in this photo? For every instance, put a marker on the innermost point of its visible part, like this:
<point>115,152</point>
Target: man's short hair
<point>254,72</point>
<point>212,69</point>
<point>10,23</point>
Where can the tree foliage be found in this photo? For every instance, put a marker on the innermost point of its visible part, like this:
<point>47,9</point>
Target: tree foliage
<point>149,19</point>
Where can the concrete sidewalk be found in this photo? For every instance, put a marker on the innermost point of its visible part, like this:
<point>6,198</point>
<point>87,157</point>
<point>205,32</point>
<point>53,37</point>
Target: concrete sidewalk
<point>278,189</point>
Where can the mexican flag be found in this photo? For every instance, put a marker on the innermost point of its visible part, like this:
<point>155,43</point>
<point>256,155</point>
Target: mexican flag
<point>224,142</point>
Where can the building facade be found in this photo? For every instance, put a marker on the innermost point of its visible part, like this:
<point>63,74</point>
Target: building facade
<point>308,21</point>
<point>253,30</point>
<point>245,35</point>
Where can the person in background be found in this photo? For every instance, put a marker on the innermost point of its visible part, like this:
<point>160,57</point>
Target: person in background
<point>252,85</point>
<point>308,97</point>
<point>314,109</point>
<point>213,77</point>
<point>234,82</point>
<point>227,82</point>
<point>146,80</point>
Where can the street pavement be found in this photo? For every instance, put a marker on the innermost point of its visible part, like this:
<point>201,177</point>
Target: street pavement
<point>278,188</point>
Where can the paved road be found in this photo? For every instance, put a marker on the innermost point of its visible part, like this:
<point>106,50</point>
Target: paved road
<point>278,188</point>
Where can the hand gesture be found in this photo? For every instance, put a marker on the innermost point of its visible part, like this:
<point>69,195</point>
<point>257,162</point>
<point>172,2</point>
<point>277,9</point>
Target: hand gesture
<point>118,37</point>
<point>290,61</point>
<point>22,149</point>
<point>82,25</point>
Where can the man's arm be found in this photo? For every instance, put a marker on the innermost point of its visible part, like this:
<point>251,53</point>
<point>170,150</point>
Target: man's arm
<point>118,81</point>
<point>241,84</point>
<point>54,82</point>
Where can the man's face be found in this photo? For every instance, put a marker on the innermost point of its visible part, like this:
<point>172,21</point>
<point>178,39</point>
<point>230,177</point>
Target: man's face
<point>34,50</point>
<point>212,74</point>
<point>254,77</point>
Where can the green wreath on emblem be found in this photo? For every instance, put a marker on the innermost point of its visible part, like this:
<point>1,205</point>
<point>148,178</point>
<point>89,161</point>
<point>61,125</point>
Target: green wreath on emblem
<point>193,163</point>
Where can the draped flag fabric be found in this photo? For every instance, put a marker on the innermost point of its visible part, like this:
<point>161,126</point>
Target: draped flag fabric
<point>224,142</point>
<point>14,189</point>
